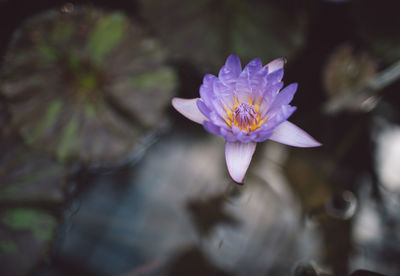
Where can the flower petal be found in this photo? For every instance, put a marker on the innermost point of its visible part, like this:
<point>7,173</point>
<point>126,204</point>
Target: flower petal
<point>228,135</point>
<point>290,134</point>
<point>217,120</point>
<point>274,119</point>
<point>276,64</point>
<point>223,93</point>
<point>207,89</point>
<point>189,109</point>
<point>262,135</point>
<point>210,127</point>
<point>230,71</point>
<point>285,96</point>
<point>238,156</point>
<point>269,95</point>
<point>250,81</point>
<point>203,108</point>
<point>233,62</point>
<point>277,114</point>
<point>275,76</point>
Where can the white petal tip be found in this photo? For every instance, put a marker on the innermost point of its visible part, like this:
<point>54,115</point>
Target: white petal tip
<point>237,180</point>
<point>237,177</point>
<point>276,64</point>
<point>189,109</point>
<point>290,134</point>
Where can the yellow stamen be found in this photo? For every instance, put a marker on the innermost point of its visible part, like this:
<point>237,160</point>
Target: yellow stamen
<point>236,103</point>
<point>229,115</point>
<point>231,120</point>
<point>257,105</point>
<point>227,110</point>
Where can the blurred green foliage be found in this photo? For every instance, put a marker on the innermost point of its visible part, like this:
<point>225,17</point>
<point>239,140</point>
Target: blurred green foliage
<point>41,224</point>
<point>106,34</point>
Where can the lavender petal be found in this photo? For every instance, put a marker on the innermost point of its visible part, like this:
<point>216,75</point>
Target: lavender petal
<point>217,119</point>
<point>269,96</point>
<point>279,114</point>
<point>263,135</point>
<point>290,134</point>
<point>210,127</point>
<point>189,109</point>
<point>285,96</point>
<point>250,81</point>
<point>238,156</point>
<point>230,71</point>
<point>203,108</point>
<point>228,135</point>
<point>275,76</point>
<point>207,89</point>
<point>224,93</point>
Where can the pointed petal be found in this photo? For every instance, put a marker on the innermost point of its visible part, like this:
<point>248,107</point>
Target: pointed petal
<point>254,65</point>
<point>262,135</point>
<point>189,109</point>
<point>250,81</point>
<point>238,156</point>
<point>203,108</point>
<point>210,127</point>
<point>278,114</point>
<point>275,76</point>
<point>224,93</point>
<point>230,71</point>
<point>217,120</point>
<point>269,96</point>
<point>285,96</point>
<point>233,62</point>
<point>276,64</point>
<point>227,134</point>
<point>207,89</point>
<point>290,134</point>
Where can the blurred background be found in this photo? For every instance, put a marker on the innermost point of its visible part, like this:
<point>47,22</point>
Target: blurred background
<point>100,176</point>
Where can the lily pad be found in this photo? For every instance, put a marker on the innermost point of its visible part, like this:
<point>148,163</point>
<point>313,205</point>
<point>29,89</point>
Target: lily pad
<point>205,32</point>
<point>85,84</point>
<point>31,194</point>
<point>26,176</point>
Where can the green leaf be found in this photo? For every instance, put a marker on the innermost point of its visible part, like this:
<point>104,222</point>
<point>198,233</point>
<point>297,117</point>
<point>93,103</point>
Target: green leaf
<point>68,107</point>
<point>90,109</point>
<point>48,53</point>
<point>107,33</point>
<point>163,77</point>
<point>62,31</point>
<point>87,81</point>
<point>48,120</point>
<point>8,247</point>
<point>67,138</point>
<point>41,224</point>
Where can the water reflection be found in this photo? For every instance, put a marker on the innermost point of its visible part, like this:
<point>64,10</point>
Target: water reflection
<point>342,206</point>
<point>388,157</point>
<point>374,236</point>
<point>178,205</point>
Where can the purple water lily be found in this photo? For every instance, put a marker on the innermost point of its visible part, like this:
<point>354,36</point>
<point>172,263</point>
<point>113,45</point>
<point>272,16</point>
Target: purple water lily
<point>246,107</point>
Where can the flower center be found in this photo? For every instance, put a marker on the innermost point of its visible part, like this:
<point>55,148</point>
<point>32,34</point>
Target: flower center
<point>245,117</point>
